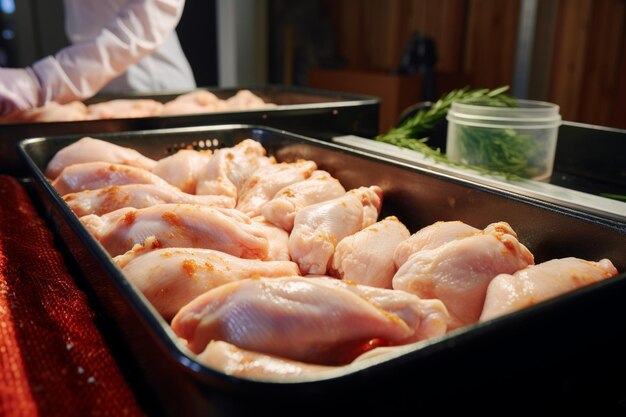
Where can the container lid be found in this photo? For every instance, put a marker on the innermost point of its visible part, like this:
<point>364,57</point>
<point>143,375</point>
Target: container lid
<point>526,111</point>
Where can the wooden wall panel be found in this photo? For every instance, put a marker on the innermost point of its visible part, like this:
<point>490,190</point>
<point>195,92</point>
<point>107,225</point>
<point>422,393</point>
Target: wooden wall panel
<point>618,111</point>
<point>491,42</point>
<point>374,33</point>
<point>588,65</point>
<point>444,21</point>
<point>570,49</point>
<point>598,85</point>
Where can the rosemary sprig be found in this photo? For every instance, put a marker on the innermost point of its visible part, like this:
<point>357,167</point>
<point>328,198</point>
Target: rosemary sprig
<point>425,121</point>
<point>412,132</point>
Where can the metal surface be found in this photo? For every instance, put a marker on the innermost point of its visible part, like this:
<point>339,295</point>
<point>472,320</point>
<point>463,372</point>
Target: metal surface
<point>318,113</point>
<point>559,354</point>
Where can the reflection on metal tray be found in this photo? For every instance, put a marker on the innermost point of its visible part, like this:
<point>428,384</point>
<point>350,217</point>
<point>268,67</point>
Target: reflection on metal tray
<point>574,342</point>
<point>555,191</point>
<point>318,113</point>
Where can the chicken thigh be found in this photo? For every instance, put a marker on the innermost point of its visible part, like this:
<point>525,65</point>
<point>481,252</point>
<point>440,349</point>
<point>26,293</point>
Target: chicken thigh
<point>96,175</point>
<point>438,233</point>
<point>458,272</point>
<point>246,100</point>
<point>172,277</point>
<point>277,238</point>
<point>366,257</point>
<point>200,101</point>
<point>183,168</point>
<point>305,319</point>
<point>231,360</point>
<point>533,284</point>
<point>179,225</point>
<point>51,112</point>
<point>95,150</point>
<point>125,108</point>
<point>229,168</point>
<point>106,200</point>
<point>267,181</point>
<point>319,187</point>
<point>319,227</point>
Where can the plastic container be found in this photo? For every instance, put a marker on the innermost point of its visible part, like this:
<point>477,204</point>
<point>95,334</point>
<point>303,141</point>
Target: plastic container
<point>517,141</point>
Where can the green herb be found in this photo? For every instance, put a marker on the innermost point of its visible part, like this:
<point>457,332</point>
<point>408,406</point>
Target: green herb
<point>620,197</point>
<point>501,151</point>
<point>426,120</point>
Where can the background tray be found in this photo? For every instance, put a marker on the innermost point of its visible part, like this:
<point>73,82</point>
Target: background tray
<point>318,113</point>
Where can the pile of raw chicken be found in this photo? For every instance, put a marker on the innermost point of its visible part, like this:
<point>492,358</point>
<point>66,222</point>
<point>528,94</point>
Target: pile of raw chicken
<point>199,101</point>
<point>273,271</point>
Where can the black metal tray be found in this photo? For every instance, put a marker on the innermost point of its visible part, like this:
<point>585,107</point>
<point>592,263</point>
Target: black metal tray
<point>318,113</point>
<point>559,355</point>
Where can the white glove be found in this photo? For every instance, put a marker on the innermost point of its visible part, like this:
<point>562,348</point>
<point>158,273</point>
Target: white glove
<point>19,90</point>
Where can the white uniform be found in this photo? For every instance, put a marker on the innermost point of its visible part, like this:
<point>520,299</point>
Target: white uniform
<point>125,45</point>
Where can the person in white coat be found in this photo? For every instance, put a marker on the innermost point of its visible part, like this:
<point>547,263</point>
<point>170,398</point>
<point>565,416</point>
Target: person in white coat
<point>117,46</point>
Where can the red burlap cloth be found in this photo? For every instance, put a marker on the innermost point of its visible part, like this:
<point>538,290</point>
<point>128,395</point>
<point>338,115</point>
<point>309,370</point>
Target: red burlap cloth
<point>53,360</point>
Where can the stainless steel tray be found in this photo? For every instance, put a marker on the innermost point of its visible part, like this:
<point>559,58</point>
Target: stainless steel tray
<point>560,354</point>
<point>318,113</point>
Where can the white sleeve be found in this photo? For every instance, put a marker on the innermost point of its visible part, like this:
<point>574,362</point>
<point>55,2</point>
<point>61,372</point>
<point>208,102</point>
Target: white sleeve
<point>79,71</point>
<point>18,90</point>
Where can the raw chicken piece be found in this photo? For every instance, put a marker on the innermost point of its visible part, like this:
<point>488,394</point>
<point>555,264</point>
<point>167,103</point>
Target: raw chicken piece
<point>267,181</point>
<point>316,320</point>
<point>277,238</point>
<point>96,175</point>
<point>125,108</point>
<point>106,200</point>
<point>51,112</point>
<point>536,283</point>
<point>95,150</point>
<point>366,257</point>
<point>246,100</point>
<point>231,360</point>
<point>435,235</point>
<point>431,237</point>
<point>171,278</point>
<point>458,272</point>
<point>229,168</point>
<point>319,187</point>
<point>183,168</point>
<point>200,101</point>
<point>319,227</point>
<point>179,225</point>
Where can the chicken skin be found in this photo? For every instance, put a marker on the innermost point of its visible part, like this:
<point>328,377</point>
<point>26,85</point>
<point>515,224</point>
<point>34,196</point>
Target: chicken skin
<point>438,233</point>
<point>459,272</point>
<point>170,278</point>
<point>319,227</point>
<point>315,320</point>
<point>229,168</point>
<point>95,150</point>
<point>96,175</point>
<point>507,293</point>
<point>366,257</point>
<point>200,101</point>
<point>108,199</point>
<point>231,360</point>
<point>277,238</point>
<point>183,168</point>
<point>320,186</point>
<point>181,226</point>
<point>125,108</point>
<point>246,100</point>
<point>267,181</point>
<point>51,112</point>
